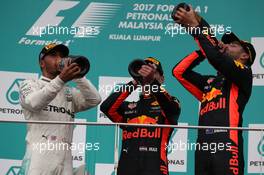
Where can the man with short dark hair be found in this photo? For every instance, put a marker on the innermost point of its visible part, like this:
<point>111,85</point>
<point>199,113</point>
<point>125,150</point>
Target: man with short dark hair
<point>50,99</point>
<point>223,97</point>
<point>144,148</point>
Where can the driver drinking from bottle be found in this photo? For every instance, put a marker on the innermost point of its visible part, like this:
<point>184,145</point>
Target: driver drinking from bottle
<point>50,99</point>
<point>144,148</point>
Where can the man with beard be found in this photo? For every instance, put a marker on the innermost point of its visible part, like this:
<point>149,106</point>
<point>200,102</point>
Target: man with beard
<point>50,99</point>
<point>223,97</point>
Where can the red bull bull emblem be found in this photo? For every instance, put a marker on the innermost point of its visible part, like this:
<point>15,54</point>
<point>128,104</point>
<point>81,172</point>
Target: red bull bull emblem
<point>211,95</point>
<point>143,119</point>
<point>212,105</point>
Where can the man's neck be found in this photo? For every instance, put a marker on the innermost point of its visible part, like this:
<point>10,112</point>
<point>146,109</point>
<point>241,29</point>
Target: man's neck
<point>47,75</point>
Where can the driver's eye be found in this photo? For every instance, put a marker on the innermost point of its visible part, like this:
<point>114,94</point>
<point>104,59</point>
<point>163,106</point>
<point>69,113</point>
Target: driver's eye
<point>54,53</point>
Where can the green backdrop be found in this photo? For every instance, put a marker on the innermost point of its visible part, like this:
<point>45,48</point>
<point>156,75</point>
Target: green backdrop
<point>110,50</point>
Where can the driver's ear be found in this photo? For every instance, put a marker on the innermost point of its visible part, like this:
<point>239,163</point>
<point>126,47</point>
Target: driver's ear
<point>244,57</point>
<point>42,64</point>
<point>162,77</point>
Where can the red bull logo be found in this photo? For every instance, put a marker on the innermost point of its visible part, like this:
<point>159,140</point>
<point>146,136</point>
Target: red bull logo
<point>233,161</point>
<point>212,106</point>
<point>142,133</point>
<point>211,95</point>
<point>144,120</point>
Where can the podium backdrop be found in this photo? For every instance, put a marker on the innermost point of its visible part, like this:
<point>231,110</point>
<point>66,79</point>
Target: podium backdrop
<point>111,33</point>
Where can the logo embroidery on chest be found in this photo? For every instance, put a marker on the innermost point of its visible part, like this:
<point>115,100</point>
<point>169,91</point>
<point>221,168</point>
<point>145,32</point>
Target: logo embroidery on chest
<point>212,94</point>
<point>210,99</point>
<point>132,105</point>
<point>68,94</point>
<point>154,103</point>
<point>143,119</point>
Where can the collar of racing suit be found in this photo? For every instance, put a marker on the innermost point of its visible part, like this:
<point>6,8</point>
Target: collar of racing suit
<point>144,96</point>
<point>45,79</point>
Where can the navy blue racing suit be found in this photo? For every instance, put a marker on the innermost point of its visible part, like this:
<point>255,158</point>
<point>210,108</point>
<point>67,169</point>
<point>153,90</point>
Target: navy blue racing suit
<point>143,148</point>
<point>223,98</point>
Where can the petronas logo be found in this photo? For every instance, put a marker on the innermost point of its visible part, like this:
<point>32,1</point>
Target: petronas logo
<point>261,60</point>
<point>261,147</point>
<point>14,170</point>
<point>12,94</point>
<point>171,143</point>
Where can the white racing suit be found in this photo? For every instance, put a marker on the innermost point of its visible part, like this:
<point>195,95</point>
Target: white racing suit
<point>48,145</point>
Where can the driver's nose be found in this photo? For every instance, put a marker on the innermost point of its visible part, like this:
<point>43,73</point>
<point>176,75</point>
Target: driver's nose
<point>58,61</point>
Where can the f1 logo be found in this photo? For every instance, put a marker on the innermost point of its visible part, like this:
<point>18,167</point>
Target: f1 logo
<point>49,17</point>
<point>93,17</point>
